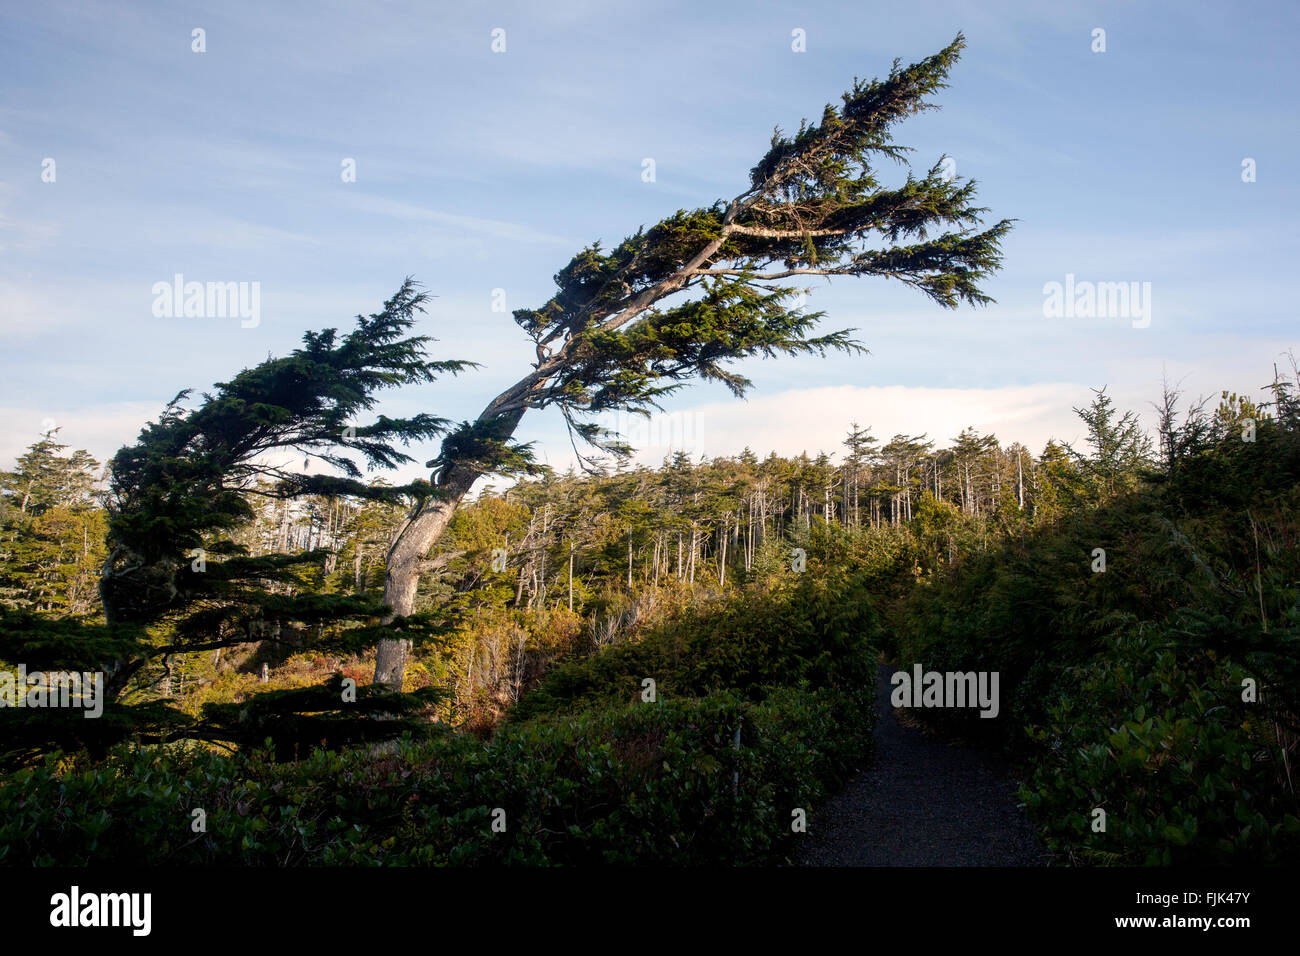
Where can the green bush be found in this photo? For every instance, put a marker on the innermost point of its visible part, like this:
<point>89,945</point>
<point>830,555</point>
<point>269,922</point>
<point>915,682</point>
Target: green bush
<point>658,783</point>
<point>1129,681</point>
<point>593,776</point>
<point>1156,734</point>
<point>810,630</point>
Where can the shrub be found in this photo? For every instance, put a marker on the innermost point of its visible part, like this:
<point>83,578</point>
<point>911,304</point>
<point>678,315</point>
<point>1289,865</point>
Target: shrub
<point>1155,733</point>
<point>589,777</point>
<point>639,784</point>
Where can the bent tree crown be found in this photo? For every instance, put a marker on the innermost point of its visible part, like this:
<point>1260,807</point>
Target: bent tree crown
<point>703,288</point>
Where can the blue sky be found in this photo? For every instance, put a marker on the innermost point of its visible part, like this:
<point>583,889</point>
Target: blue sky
<point>478,171</point>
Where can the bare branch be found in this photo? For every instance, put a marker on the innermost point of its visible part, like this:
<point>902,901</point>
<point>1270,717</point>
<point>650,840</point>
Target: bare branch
<point>441,561</point>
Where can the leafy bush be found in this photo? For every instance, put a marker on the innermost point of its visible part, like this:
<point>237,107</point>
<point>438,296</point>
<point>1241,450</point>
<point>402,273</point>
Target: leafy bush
<point>809,630</point>
<point>1122,690</point>
<point>640,784</point>
<point>1157,735</point>
<point>591,778</point>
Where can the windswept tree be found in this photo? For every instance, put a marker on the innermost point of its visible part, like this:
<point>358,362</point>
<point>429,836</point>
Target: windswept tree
<point>704,287</point>
<point>185,485</point>
<point>176,581</point>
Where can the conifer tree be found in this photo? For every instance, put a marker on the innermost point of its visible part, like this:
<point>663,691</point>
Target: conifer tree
<point>968,449</point>
<point>51,533</point>
<point>608,340</point>
<point>860,456</point>
<point>1120,448</point>
<point>44,477</point>
<point>176,581</point>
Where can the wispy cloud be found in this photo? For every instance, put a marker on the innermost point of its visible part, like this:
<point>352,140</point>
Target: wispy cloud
<point>480,171</point>
<point>492,228</point>
<point>100,429</point>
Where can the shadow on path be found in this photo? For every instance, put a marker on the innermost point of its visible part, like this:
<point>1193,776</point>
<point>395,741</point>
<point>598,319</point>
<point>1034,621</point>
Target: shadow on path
<point>922,803</point>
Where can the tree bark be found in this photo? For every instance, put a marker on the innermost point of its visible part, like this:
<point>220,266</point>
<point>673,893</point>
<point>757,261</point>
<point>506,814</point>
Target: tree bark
<point>406,562</point>
<point>1020,483</point>
<point>722,556</point>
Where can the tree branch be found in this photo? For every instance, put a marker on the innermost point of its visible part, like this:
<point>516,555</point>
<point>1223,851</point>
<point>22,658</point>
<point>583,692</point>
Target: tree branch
<point>784,233</point>
<point>441,561</point>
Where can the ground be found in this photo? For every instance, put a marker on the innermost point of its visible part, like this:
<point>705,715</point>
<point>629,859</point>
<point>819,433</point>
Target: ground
<point>924,802</point>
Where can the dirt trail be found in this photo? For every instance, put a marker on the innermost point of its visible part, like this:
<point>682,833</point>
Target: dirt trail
<point>922,803</point>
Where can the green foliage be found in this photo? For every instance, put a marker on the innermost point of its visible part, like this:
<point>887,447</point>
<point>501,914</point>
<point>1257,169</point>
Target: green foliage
<point>177,581</point>
<point>1120,449</point>
<point>44,478</point>
<point>1124,688</point>
<point>51,533</point>
<point>300,719</point>
<point>1155,733</point>
<point>585,782</point>
<point>1121,690</point>
<point>815,631</point>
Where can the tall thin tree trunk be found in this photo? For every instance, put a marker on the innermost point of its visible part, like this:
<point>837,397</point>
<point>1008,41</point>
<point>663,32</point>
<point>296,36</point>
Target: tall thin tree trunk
<point>1020,483</point>
<point>722,556</point>
<point>694,548</point>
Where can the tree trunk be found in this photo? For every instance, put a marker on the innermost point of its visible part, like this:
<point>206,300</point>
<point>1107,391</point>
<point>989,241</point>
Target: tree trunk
<point>722,557</point>
<point>405,564</point>
<point>1020,483</point>
<point>694,548</point>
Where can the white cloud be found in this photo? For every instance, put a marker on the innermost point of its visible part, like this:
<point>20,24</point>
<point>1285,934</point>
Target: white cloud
<point>817,419</point>
<point>101,429</point>
<point>20,235</point>
<point>494,228</point>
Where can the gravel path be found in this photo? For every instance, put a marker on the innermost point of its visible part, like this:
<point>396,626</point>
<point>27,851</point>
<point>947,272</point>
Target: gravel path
<point>923,803</point>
